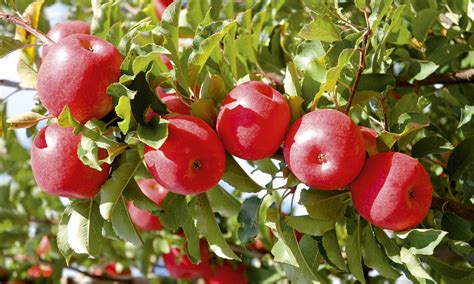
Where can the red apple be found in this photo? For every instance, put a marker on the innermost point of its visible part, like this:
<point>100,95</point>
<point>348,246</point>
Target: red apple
<point>253,121</point>
<point>370,140</point>
<point>111,270</point>
<point>393,191</point>
<point>142,218</point>
<point>191,160</point>
<point>37,271</point>
<point>173,101</point>
<point>226,273</point>
<point>76,73</point>
<point>57,168</point>
<point>160,6</point>
<point>325,149</point>
<point>182,267</point>
<point>43,247</point>
<point>62,30</point>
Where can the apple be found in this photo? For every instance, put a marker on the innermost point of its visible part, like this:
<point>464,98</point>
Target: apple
<point>76,73</point>
<point>226,273</point>
<point>324,149</point>
<point>191,160</point>
<point>57,168</point>
<point>142,218</point>
<point>62,30</point>
<point>112,270</point>
<point>173,101</point>
<point>370,140</point>
<point>43,247</point>
<point>393,191</point>
<point>253,120</point>
<point>166,61</point>
<point>160,6</point>
<point>38,271</point>
<point>180,266</point>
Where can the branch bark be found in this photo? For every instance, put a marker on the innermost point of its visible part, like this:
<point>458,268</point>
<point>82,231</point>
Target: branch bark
<point>465,211</point>
<point>460,77</point>
<point>20,23</point>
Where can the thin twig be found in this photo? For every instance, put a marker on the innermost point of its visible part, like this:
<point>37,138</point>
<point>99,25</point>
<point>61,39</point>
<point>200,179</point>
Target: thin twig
<point>362,55</point>
<point>103,277</point>
<point>20,23</point>
<point>459,77</point>
<point>465,211</point>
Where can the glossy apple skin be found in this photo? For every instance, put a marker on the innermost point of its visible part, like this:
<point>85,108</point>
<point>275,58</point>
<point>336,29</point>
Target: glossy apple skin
<point>226,273</point>
<point>393,191</point>
<point>160,6</point>
<point>191,160</point>
<point>325,149</point>
<point>57,168</point>
<point>185,269</point>
<point>142,218</point>
<point>253,120</point>
<point>62,30</point>
<point>370,140</point>
<point>76,72</point>
<point>173,101</point>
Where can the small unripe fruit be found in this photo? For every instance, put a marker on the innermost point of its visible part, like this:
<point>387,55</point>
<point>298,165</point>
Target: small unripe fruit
<point>142,218</point>
<point>393,191</point>
<point>62,30</point>
<point>191,160</point>
<point>76,73</point>
<point>325,149</point>
<point>253,121</point>
<point>57,168</point>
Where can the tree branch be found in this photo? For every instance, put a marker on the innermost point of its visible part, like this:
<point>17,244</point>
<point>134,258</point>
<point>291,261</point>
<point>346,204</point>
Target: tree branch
<point>103,277</point>
<point>20,23</point>
<point>459,77</point>
<point>465,211</point>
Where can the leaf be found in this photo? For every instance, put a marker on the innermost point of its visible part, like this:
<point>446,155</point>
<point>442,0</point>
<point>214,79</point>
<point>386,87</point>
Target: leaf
<point>310,226</point>
<point>422,241</point>
<point>122,223</point>
<point>333,251</point>
<point>460,159</point>
<point>321,28</point>
<point>8,45</point>
<point>206,110</point>
<point>457,227</point>
<point>102,16</point>
<point>353,251</point>
<point>153,134</point>
<point>373,255</point>
<point>84,229</point>
<point>118,90</point>
<point>430,145</point>
<point>324,205</point>
<point>423,21</point>
<point>448,270</point>
<point>124,111</point>
<point>28,75</point>
<point>248,219</point>
<point>207,226</point>
<point>213,88</point>
<point>237,178</point>
<point>133,193</point>
<point>62,235</point>
<point>421,69</point>
<point>31,15</point>
<point>111,192</point>
<point>390,246</point>
<point>25,120</point>
<point>413,264</point>
<point>291,81</point>
<point>466,115</point>
<point>308,51</point>
<point>223,202</point>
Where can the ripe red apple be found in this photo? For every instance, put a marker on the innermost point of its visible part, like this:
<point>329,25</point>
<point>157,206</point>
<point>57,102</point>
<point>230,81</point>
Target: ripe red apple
<point>57,168</point>
<point>166,61</point>
<point>43,247</point>
<point>111,270</point>
<point>62,30</point>
<point>37,271</point>
<point>182,267</point>
<point>226,273</point>
<point>393,191</point>
<point>370,140</point>
<point>76,73</point>
<point>173,101</point>
<point>325,149</point>
<point>160,6</point>
<point>253,121</point>
<point>191,160</point>
<point>142,218</point>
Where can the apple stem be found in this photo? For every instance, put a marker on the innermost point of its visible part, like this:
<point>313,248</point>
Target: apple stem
<point>20,23</point>
<point>465,211</point>
<point>362,55</point>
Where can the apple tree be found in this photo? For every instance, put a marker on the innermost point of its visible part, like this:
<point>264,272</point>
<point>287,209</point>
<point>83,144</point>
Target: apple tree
<point>240,141</point>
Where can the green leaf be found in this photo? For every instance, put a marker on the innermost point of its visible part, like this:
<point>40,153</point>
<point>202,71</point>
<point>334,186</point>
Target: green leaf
<point>321,28</point>
<point>248,219</point>
<point>430,145</point>
<point>466,115</point>
<point>291,81</point>
<point>103,16</point>
<point>154,133</point>
<point>196,11</point>
<point>421,69</point>
<point>62,235</point>
<point>333,251</point>
<point>353,250</point>
<point>118,90</point>
<point>457,227</point>
<point>237,178</point>
<point>84,229</point>
<point>207,226</point>
<point>223,202</point>
<point>111,192</point>
<point>133,193</point>
<point>310,226</point>
<point>423,21</point>
<point>124,111</point>
<point>450,271</point>
<point>214,88</point>
<point>28,75</point>
<point>24,120</point>
<point>206,110</point>
<point>324,205</point>
<point>422,241</point>
<point>307,52</point>
<point>122,223</point>
<point>413,264</point>
<point>8,45</point>
<point>390,246</point>
<point>373,255</point>
<point>460,159</point>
